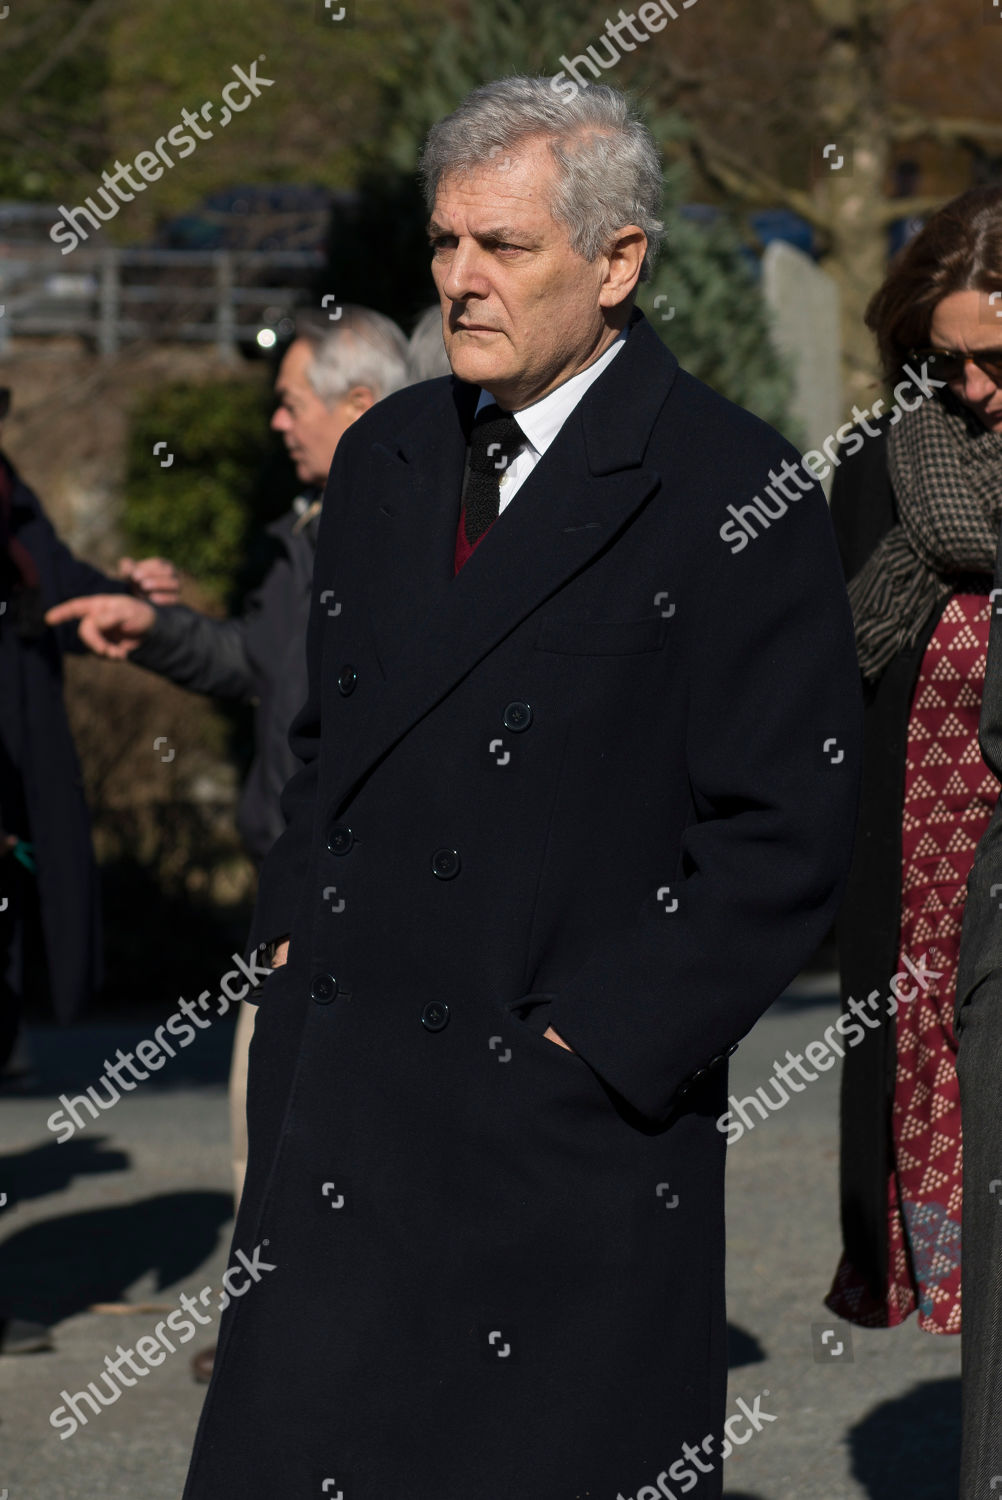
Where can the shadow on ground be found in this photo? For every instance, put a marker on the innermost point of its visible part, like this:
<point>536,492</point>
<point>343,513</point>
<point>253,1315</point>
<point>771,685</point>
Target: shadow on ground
<point>51,1167</point>
<point>742,1349</point>
<point>910,1446</point>
<point>55,1269</point>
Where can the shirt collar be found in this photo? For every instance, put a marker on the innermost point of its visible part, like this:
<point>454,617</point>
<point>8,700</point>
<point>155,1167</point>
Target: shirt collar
<point>541,421</point>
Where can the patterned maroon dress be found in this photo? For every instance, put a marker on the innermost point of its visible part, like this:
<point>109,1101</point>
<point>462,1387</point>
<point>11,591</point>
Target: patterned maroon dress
<point>949,798</point>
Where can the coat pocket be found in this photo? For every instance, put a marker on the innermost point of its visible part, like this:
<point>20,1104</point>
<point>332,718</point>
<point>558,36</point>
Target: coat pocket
<point>601,637</point>
<point>527,1019</point>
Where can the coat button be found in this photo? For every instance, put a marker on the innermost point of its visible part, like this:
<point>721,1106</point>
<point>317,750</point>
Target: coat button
<point>341,839</point>
<point>517,716</point>
<point>435,1015</point>
<point>445,863</point>
<point>323,988</point>
<point>346,680</point>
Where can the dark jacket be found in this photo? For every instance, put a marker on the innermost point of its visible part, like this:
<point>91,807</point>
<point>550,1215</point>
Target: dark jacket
<point>869,921</point>
<point>595,771</point>
<point>40,779</point>
<point>260,655</point>
<point>979,1067</point>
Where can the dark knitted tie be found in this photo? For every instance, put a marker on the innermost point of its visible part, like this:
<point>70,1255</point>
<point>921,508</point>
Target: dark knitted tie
<point>494,441</point>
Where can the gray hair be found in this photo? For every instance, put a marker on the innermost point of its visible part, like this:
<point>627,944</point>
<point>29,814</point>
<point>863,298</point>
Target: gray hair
<point>362,347</point>
<point>609,170</point>
<point>428,358</point>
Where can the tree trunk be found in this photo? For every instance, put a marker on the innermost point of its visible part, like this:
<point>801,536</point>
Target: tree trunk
<point>853,115</point>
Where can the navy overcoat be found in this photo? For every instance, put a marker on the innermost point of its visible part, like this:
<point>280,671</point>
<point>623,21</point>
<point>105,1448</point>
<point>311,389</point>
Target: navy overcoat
<point>605,778</point>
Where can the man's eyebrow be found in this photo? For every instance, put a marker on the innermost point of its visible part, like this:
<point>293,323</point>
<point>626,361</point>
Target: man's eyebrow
<point>499,234</point>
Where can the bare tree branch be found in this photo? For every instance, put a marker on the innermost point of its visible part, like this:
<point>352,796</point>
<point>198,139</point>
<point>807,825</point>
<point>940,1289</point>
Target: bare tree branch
<point>63,48</point>
<point>735,176</point>
<point>910,126</point>
<point>906,208</point>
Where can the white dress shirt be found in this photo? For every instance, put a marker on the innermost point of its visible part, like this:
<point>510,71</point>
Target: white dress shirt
<point>541,421</point>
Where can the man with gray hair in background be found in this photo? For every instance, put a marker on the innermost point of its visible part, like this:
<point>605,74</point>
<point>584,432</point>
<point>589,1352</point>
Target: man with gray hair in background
<point>427,358</point>
<point>584,782</point>
<point>330,374</point>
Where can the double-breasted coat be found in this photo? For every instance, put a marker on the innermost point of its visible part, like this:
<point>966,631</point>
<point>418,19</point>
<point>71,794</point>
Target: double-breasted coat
<point>603,778</point>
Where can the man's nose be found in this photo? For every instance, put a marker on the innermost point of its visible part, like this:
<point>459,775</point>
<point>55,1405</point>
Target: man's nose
<point>280,420</point>
<point>466,274</point>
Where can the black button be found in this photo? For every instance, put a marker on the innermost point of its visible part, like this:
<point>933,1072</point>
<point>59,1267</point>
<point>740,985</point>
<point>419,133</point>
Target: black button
<point>445,863</point>
<point>517,716</point>
<point>699,1073</point>
<point>731,1049</point>
<point>341,839</point>
<point>346,680</point>
<point>323,988</point>
<point>435,1015</point>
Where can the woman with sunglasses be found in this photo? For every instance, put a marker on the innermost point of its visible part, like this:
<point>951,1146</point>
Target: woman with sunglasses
<point>917,511</point>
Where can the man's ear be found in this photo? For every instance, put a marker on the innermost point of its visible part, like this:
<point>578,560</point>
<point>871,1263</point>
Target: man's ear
<point>624,261</point>
<point>359,399</point>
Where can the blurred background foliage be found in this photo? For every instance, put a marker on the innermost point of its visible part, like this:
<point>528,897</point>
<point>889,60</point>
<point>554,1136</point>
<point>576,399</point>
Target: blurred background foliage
<point>228,478</point>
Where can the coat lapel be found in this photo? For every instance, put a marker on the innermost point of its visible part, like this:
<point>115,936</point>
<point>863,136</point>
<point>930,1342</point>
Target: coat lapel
<point>432,628</point>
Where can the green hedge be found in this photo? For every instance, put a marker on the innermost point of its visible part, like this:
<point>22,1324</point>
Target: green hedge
<point>228,478</point>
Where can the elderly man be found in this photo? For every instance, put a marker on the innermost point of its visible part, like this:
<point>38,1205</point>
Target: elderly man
<point>578,800</point>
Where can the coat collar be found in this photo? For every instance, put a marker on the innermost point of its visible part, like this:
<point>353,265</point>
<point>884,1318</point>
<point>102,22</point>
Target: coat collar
<point>432,628</point>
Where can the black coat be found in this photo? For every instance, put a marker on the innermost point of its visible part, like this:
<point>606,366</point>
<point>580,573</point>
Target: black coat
<point>589,771</point>
<point>40,779</point>
<point>869,922</point>
<point>260,655</point>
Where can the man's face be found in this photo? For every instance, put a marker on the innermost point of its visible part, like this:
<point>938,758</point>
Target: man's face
<point>310,428</point>
<point>521,310</point>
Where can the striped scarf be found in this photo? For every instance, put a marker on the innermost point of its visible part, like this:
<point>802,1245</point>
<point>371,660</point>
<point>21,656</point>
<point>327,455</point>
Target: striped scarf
<point>946,469</point>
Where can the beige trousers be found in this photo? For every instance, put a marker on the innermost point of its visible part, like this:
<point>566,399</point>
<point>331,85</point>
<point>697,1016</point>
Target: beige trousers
<point>238,1097</point>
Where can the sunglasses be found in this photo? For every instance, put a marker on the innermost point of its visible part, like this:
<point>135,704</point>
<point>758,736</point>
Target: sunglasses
<point>950,364</point>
